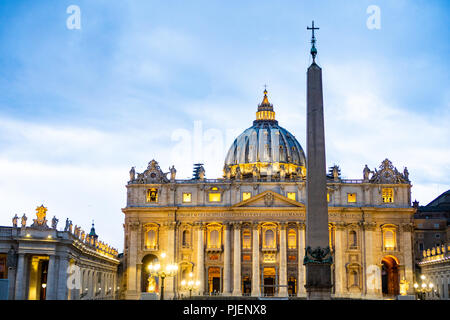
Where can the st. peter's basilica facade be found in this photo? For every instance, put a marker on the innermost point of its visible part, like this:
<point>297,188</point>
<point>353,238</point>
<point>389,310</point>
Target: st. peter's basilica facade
<point>244,234</point>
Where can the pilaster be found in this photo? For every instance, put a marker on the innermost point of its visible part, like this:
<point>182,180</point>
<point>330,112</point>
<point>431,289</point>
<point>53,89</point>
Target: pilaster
<point>237,259</point>
<point>283,292</point>
<point>227,259</point>
<point>256,291</point>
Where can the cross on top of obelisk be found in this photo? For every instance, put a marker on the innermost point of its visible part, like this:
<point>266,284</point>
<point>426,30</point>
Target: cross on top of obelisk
<point>313,41</point>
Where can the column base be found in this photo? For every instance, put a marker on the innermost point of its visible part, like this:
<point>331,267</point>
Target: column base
<point>256,293</point>
<point>282,294</point>
<point>236,293</point>
<point>318,294</point>
<point>129,295</point>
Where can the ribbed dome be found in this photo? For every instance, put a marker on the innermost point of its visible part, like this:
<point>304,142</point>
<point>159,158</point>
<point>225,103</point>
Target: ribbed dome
<point>265,149</point>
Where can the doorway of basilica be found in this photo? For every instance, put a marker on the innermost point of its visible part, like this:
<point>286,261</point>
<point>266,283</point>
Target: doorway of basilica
<point>214,280</point>
<point>246,285</point>
<point>390,276</point>
<point>269,281</point>
<point>149,283</point>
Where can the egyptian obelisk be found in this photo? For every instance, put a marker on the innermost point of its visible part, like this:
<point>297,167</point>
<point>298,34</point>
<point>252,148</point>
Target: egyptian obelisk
<point>317,252</point>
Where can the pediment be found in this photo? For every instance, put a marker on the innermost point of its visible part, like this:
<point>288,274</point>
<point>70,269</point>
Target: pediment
<point>269,199</point>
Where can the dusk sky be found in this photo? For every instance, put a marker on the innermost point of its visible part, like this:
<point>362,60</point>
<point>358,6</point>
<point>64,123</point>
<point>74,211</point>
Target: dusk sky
<point>177,81</point>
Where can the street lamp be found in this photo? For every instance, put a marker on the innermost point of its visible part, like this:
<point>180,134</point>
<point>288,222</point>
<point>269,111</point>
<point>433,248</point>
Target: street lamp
<point>166,270</point>
<point>190,284</point>
<point>424,287</point>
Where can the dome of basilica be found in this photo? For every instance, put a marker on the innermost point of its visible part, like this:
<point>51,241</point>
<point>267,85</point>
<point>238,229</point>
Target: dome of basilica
<point>265,150</point>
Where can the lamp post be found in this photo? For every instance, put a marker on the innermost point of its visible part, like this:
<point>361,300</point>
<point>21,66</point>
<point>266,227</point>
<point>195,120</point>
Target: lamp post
<point>166,270</point>
<point>190,284</point>
<point>424,287</point>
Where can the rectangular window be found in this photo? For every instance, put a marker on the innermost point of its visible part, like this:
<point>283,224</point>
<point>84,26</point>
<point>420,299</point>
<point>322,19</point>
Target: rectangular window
<point>387,195</point>
<point>351,197</point>
<point>3,268</point>
<point>214,197</point>
<point>187,197</point>
<point>328,197</point>
<point>292,239</point>
<point>152,195</point>
<point>437,235</point>
<point>246,195</point>
<point>292,196</point>
<point>436,225</point>
<point>246,239</point>
<point>421,246</point>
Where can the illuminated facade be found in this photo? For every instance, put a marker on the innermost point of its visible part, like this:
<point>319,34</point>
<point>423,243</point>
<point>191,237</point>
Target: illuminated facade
<point>435,266</point>
<point>39,262</point>
<point>244,233</point>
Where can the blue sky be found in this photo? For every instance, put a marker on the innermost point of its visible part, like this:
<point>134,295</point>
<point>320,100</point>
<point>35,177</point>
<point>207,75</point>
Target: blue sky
<point>178,80</point>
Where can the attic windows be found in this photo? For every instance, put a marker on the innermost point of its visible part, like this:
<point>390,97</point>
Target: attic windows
<point>351,197</point>
<point>214,195</point>
<point>246,195</point>
<point>292,196</point>
<point>152,195</point>
<point>187,197</point>
<point>387,195</point>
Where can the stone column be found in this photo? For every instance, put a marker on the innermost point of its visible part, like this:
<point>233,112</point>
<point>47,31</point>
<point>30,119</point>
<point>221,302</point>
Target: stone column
<point>12,282</point>
<point>301,267</point>
<point>51,278</point>
<point>339,260</point>
<point>201,257</point>
<point>227,260</point>
<point>283,292</point>
<point>171,258</point>
<point>237,260</point>
<point>408,257</point>
<point>256,292</point>
<point>446,284</point>
<point>138,276</point>
<point>132,292</point>
<point>62,290</point>
<point>372,270</point>
<point>21,277</point>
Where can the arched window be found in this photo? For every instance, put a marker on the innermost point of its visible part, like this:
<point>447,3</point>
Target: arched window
<point>269,232</point>
<point>389,239</point>
<point>246,239</point>
<point>214,239</point>
<point>354,277</point>
<point>186,238</point>
<point>353,239</point>
<point>270,238</point>
<point>214,232</point>
<point>292,239</point>
<point>151,236</point>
